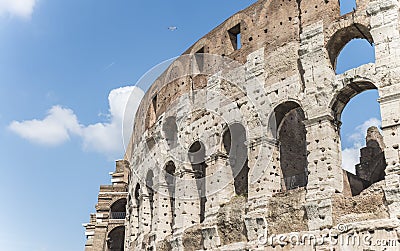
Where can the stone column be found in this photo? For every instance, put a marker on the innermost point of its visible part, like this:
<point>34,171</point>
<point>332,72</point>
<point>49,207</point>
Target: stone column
<point>264,181</point>
<point>324,167</point>
<point>264,173</point>
<point>145,213</point>
<point>219,185</point>
<point>390,109</point>
<point>162,215</point>
<point>100,237</point>
<point>187,202</point>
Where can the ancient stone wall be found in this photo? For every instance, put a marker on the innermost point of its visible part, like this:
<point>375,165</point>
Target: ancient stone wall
<point>186,190</point>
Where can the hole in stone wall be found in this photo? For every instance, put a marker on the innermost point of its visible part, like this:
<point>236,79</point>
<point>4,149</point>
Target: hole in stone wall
<point>347,6</point>
<point>197,154</point>
<point>235,37</point>
<point>234,144</point>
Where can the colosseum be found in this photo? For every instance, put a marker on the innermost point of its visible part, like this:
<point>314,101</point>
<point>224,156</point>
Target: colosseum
<point>236,146</point>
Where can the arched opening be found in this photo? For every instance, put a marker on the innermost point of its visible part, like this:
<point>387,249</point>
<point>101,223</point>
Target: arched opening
<point>170,179</point>
<point>342,37</point>
<point>362,144</point>
<point>234,143</point>
<point>170,130</point>
<point>115,239</point>
<point>197,154</point>
<point>118,209</point>
<point>150,194</point>
<point>355,53</point>
<point>347,6</point>
<point>291,135</point>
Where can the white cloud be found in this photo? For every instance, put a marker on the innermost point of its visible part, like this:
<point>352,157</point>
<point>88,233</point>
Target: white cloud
<point>61,123</point>
<point>107,137</point>
<point>20,8</point>
<point>351,155</point>
<point>55,129</point>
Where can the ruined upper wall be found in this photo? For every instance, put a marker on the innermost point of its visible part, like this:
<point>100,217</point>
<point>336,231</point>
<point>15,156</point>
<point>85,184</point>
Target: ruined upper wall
<point>276,26</point>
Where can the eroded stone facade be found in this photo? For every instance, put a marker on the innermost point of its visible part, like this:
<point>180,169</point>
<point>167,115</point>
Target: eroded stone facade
<point>233,145</point>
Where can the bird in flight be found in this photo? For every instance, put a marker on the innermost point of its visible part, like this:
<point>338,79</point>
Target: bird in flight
<point>172,28</point>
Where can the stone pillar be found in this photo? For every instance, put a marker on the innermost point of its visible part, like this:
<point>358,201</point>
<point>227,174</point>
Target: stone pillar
<point>162,215</point>
<point>133,225</point>
<point>324,167</point>
<point>219,185</point>
<point>264,173</point>
<point>390,109</point>
<point>187,202</point>
<point>100,237</point>
<point>145,213</point>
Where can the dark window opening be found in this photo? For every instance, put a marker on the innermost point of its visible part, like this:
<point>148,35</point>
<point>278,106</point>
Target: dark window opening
<point>197,154</point>
<point>235,37</point>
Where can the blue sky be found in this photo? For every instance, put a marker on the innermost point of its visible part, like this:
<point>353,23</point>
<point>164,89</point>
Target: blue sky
<point>75,61</point>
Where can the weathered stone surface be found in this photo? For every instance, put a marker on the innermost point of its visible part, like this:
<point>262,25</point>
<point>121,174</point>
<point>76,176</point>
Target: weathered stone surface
<point>188,189</point>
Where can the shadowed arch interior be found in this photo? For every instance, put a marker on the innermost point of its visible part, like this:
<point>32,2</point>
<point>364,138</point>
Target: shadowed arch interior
<point>118,209</point>
<point>150,194</point>
<point>234,144</point>
<point>170,130</point>
<point>171,182</point>
<point>197,154</point>
<point>291,135</point>
<point>115,239</point>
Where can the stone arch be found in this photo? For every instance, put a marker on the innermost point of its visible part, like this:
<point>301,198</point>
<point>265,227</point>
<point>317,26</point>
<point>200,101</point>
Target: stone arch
<point>170,130</point>
<point>116,239</point>
<point>344,35</point>
<point>234,144</point>
<point>118,209</point>
<point>372,165</point>
<point>197,155</point>
<point>344,95</point>
<point>291,135</point>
